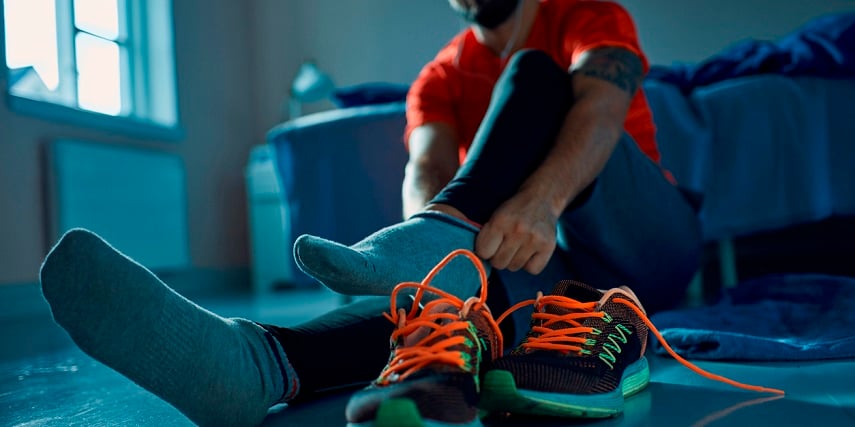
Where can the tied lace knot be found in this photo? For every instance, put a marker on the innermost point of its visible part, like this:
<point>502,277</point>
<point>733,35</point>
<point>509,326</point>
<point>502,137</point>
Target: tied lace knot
<point>429,335</point>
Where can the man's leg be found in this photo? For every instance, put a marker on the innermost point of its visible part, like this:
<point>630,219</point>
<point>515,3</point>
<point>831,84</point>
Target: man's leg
<point>216,371</point>
<point>346,347</point>
<point>359,330</point>
<point>527,110</point>
<point>525,114</point>
<point>633,228</point>
<point>630,227</point>
<point>404,252</point>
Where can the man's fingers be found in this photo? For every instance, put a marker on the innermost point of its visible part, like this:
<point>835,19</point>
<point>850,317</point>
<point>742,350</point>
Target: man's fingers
<point>516,241</point>
<point>505,254</point>
<point>521,257</point>
<point>538,262</point>
<point>487,242</point>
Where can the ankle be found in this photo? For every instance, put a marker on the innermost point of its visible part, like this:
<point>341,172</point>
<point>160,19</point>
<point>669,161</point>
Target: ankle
<point>451,211</point>
<point>291,382</point>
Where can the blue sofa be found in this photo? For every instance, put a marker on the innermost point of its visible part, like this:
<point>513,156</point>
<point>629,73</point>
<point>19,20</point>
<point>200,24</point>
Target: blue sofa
<point>765,151</point>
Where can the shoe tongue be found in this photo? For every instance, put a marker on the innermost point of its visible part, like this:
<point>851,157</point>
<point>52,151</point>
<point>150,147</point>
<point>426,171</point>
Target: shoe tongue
<point>424,331</point>
<point>570,289</point>
<point>577,291</point>
<point>574,290</point>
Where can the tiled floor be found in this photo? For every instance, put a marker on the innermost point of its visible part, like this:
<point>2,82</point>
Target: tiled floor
<point>45,381</point>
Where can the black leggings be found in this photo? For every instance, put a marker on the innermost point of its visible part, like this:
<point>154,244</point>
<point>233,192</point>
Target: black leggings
<point>527,109</point>
<point>631,226</point>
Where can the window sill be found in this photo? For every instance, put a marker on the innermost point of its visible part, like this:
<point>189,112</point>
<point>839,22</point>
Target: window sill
<point>88,119</point>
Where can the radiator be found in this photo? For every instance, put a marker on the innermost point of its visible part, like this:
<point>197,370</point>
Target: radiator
<point>134,198</point>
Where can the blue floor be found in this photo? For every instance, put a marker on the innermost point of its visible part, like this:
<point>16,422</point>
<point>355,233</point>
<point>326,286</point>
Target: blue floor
<point>46,381</point>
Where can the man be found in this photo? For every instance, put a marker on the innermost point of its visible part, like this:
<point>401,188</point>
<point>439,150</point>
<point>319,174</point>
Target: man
<point>532,143</point>
<point>565,157</point>
<point>559,180</point>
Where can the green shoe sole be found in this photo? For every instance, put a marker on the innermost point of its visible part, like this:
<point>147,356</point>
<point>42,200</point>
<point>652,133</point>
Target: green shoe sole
<point>500,394</point>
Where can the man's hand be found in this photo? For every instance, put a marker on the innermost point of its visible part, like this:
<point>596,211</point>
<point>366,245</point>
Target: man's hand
<point>520,234</point>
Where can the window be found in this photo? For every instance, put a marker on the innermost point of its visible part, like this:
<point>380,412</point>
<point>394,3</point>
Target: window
<point>107,63</point>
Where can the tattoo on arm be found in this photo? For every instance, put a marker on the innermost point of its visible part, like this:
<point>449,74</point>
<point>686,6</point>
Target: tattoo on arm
<point>614,65</point>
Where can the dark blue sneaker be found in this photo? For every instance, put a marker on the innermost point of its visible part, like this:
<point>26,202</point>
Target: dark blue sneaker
<point>432,377</point>
<point>583,354</point>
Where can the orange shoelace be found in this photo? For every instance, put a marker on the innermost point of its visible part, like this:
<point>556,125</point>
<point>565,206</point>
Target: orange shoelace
<point>563,340</point>
<point>571,339</point>
<point>437,345</point>
<point>691,365</point>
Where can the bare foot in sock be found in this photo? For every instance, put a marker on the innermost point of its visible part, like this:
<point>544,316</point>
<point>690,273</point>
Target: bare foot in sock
<point>404,252</point>
<point>216,371</point>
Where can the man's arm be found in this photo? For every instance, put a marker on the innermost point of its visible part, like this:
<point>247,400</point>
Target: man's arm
<point>604,82</point>
<point>521,233</point>
<point>433,162</point>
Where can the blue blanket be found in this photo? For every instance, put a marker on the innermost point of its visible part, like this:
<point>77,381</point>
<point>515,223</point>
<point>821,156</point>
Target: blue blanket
<point>823,47</point>
<point>774,318</point>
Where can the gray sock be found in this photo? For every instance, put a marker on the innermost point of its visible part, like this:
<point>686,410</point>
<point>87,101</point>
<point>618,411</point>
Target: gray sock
<point>403,252</point>
<point>216,371</point>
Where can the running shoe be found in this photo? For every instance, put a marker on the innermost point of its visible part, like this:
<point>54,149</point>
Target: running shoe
<point>432,377</point>
<point>583,355</point>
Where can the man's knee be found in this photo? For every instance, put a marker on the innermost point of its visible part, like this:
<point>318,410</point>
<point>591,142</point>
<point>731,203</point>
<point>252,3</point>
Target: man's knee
<point>532,65</point>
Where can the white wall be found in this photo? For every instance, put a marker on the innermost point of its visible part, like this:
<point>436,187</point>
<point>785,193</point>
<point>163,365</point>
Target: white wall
<point>690,31</point>
<point>353,41</point>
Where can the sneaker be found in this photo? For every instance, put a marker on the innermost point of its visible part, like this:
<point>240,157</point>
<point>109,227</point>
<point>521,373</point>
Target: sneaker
<point>431,378</point>
<point>583,355</point>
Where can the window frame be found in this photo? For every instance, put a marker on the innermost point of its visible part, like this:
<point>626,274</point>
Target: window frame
<point>143,76</point>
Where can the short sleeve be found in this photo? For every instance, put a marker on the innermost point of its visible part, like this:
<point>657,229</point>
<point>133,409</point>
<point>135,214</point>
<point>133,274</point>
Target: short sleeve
<point>429,99</point>
<point>602,24</point>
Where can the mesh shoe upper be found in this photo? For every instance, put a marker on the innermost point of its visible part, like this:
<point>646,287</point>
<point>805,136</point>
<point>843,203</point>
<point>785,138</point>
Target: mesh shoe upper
<point>580,341</point>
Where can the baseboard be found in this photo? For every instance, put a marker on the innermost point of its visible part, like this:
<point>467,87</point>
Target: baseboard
<point>19,300</point>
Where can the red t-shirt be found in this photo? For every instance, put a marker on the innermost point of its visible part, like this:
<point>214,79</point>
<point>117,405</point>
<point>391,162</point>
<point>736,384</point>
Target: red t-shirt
<point>455,87</point>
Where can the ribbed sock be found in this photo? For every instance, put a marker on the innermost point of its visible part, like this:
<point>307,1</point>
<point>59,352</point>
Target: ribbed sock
<point>216,371</point>
<point>404,252</point>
